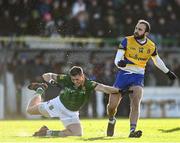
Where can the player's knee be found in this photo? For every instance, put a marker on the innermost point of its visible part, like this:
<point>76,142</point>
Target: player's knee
<point>111,111</point>
<point>33,110</point>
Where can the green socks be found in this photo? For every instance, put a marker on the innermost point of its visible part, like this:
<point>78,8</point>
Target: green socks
<point>40,90</point>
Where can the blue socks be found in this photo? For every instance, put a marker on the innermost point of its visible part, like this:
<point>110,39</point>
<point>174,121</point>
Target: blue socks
<point>132,127</point>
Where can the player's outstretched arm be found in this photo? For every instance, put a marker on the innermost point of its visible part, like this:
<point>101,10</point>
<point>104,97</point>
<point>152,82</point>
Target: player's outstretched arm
<point>50,77</point>
<point>106,89</point>
<point>160,64</point>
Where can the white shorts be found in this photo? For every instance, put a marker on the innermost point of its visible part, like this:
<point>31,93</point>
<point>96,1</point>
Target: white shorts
<point>55,108</point>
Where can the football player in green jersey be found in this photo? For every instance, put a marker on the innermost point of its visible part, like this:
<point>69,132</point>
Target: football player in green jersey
<point>76,91</point>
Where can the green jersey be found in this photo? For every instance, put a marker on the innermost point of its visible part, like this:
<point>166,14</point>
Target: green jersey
<point>72,97</point>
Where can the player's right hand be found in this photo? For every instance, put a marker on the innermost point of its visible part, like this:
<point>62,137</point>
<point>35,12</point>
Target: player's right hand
<point>121,63</point>
<point>171,75</point>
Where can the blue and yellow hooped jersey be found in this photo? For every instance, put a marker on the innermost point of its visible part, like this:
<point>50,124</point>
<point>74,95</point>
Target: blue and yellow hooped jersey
<point>137,54</point>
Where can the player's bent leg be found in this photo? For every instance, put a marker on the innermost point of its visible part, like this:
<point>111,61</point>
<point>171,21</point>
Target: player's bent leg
<point>71,130</point>
<point>114,101</point>
<point>33,105</point>
<point>72,124</point>
<point>38,110</point>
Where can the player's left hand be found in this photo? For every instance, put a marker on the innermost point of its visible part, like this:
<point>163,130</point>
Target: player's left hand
<point>171,75</point>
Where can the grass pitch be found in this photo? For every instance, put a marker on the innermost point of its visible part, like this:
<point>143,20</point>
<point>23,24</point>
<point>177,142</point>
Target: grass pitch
<point>154,130</point>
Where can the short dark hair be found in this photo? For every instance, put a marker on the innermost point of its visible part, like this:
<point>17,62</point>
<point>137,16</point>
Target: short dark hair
<point>148,27</point>
<point>75,70</point>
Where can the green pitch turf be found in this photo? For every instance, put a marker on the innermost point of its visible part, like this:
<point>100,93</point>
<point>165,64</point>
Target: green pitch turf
<point>154,130</point>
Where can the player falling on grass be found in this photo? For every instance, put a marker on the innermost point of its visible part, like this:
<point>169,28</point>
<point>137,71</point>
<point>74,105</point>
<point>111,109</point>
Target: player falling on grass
<point>75,93</point>
<point>131,58</point>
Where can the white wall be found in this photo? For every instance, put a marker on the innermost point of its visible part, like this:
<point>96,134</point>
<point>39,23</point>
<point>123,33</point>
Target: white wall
<point>11,102</point>
<point>161,101</point>
<point>1,101</point>
<point>100,104</point>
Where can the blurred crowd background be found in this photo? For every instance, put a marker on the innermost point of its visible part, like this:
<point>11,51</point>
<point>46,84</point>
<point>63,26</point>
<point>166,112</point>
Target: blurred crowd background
<point>85,18</point>
<point>108,19</point>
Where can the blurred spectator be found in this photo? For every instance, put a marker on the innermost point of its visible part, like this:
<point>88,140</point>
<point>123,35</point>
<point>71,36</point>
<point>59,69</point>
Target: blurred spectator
<point>34,26</point>
<point>50,28</point>
<point>95,19</point>
<point>78,6</point>
<point>111,29</point>
<point>44,6</point>
<point>79,25</point>
<point>37,68</point>
<point>106,18</point>
<point>21,72</point>
<point>7,25</point>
